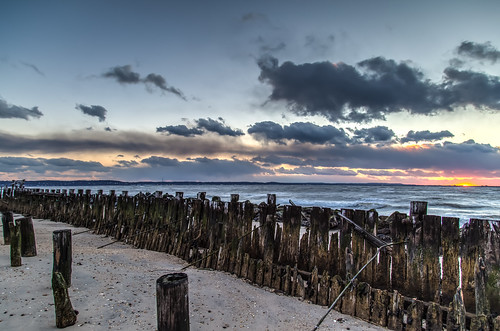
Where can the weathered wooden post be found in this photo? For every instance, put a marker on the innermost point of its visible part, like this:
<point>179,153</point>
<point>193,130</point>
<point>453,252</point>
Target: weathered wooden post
<point>418,209</point>
<point>65,314</point>
<point>15,244</point>
<point>28,242</point>
<point>456,314</point>
<point>172,302</point>
<point>62,254</point>
<point>7,217</point>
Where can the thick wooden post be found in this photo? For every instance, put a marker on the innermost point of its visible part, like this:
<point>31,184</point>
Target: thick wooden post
<point>62,254</point>
<point>172,302</point>
<point>28,242</point>
<point>15,244</point>
<point>65,314</point>
<point>7,217</point>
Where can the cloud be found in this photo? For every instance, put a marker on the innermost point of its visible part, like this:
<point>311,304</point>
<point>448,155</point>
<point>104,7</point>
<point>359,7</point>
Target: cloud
<point>464,87</point>
<point>318,45</point>
<point>12,111</point>
<point>373,89</point>
<point>180,130</point>
<point>254,17</point>
<point>426,136</point>
<point>45,166</point>
<point>316,171</point>
<point>102,142</point>
<point>373,135</point>
<point>209,169</point>
<point>202,125</point>
<point>161,83</point>
<point>302,132</point>
<point>125,75</point>
<point>34,67</point>
<point>484,51</point>
<point>218,127</point>
<point>96,111</point>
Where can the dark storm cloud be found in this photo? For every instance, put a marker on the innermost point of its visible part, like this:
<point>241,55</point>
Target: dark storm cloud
<point>218,127</point>
<point>180,130</point>
<point>45,166</point>
<point>426,136</point>
<point>94,110</point>
<point>125,75</point>
<point>299,131</point>
<point>12,111</point>
<point>484,51</point>
<point>373,89</point>
<point>374,135</point>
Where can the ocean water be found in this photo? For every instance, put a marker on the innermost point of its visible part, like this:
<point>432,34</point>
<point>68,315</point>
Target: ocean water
<point>461,202</point>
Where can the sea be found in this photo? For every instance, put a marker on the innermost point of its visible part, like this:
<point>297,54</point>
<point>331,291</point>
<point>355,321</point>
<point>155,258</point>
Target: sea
<point>464,202</point>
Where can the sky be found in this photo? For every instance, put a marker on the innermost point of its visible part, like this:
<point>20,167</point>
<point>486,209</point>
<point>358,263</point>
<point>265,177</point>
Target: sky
<point>285,91</point>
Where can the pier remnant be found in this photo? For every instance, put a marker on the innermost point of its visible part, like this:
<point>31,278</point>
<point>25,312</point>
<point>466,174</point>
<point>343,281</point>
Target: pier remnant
<point>7,217</point>
<point>15,244</point>
<point>62,246</point>
<point>65,314</point>
<point>28,241</point>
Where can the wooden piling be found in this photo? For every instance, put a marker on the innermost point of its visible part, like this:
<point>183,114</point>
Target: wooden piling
<point>456,314</point>
<point>62,254</point>
<point>172,302</point>
<point>7,217</point>
<point>15,244</point>
<point>450,242</point>
<point>65,314</point>
<point>28,241</point>
<point>434,318</point>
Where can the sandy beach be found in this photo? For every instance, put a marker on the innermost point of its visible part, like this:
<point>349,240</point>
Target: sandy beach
<point>114,288</point>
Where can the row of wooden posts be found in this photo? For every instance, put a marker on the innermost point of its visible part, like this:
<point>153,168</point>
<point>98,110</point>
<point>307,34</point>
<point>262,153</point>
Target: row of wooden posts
<point>440,275</point>
<point>172,289</point>
<point>20,235</point>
